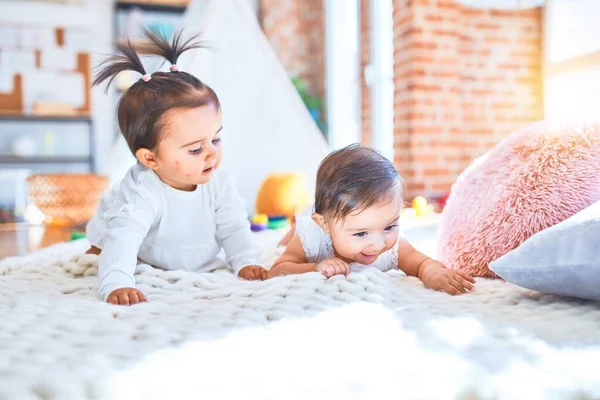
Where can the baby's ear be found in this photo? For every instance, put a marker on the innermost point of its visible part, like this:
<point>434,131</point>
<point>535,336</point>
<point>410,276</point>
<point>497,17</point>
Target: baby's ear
<point>146,157</point>
<point>320,220</point>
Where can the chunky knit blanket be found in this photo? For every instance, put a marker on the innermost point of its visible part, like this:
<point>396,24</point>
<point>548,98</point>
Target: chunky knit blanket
<point>370,335</point>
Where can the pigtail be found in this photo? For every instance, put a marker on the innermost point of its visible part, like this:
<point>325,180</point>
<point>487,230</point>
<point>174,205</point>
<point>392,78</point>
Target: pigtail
<point>125,59</point>
<point>159,45</point>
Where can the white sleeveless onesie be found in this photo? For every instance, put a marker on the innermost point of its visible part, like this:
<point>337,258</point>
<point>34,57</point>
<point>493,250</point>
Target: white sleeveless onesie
<point>318,247</point>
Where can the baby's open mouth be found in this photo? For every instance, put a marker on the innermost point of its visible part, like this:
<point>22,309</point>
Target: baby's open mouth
<point>209,169</point>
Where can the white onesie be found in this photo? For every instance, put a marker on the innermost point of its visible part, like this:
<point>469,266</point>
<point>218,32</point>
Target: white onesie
<point>144,218</point>
<point>318,247</point>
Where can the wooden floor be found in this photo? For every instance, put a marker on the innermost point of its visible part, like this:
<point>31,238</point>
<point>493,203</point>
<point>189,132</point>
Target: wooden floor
<point>22,239</point>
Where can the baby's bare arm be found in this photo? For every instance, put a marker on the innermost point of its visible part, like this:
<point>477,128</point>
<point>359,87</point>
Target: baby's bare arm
<point>292,261</point>
<point>433,273</point>
<point>409,258</point>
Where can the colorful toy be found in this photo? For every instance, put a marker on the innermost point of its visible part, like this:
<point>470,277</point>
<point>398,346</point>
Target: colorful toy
<point>278,222</point>
<point>283,195</point>
<point>77,235</point>
<point>259,222</point>
<point>444,200</point>
<point>421,206</point>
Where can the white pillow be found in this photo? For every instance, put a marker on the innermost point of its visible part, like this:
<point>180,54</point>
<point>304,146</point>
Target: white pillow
<point>563,259</point>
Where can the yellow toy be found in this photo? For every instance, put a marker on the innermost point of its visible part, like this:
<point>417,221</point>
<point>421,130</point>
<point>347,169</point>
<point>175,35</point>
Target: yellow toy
<point>262,219</point>
<point>421,206</point>
<point>283,195</point>
<point>259,222</point>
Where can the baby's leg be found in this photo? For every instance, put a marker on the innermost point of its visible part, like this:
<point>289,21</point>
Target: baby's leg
<point>94,250</point>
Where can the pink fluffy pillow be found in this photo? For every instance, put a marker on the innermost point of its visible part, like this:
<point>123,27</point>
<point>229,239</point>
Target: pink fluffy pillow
<point>535,178</point>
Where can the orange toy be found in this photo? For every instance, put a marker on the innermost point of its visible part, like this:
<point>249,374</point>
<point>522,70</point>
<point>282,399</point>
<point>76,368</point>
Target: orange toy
<point>283,195</point>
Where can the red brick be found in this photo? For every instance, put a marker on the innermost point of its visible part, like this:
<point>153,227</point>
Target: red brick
<point>365,58</point>
<point>433,18</point>
<point>482,92</point>
<point>424,45</point>
<point>468,12</point>
<point>442,187</point>
<point>411,115</point>
<point>421,58</point>
<point>415,187</point>
<point>498,40</point>
<point>425,158</point>
<point>509,66</point>
<point>443,74</point>
<point>506,13</point>
<point>504,106</point>
<point>483,132</point>
<point>443,32</point>
<point>436,172</point>
<point>425,88</point>
<point>487,25</point>
<point>446,5</point>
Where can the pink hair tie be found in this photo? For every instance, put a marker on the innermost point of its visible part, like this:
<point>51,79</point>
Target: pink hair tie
<point>146,77</point>
<point>174,68</point>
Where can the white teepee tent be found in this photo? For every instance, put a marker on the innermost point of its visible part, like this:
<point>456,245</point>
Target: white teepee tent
<point>267,128</point>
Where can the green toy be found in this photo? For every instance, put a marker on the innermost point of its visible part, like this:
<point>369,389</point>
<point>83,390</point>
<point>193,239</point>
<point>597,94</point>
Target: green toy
<point>278,223</point>
<point>77,235</point>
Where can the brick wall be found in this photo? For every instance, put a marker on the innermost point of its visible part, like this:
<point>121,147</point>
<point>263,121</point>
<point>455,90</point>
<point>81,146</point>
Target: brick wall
<point>464,79</point>
<point>365,59</point>
<point>296,29</point>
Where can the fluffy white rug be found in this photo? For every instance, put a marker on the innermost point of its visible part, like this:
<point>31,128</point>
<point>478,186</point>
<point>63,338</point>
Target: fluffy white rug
<point>366,336</point>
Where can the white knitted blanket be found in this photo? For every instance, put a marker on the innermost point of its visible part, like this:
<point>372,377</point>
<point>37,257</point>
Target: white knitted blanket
<point>370,335</point>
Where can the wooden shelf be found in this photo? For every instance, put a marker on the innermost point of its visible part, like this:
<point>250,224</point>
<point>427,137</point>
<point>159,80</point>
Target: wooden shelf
<point>8,159</point>
<point>162,6</point>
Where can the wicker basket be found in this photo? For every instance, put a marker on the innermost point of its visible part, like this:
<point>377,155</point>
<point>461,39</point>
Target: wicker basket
<point>67,199</point>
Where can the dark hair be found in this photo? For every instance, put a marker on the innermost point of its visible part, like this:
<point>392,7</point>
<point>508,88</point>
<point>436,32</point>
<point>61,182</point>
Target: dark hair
<point>353,178</point>
<point>143,104</point>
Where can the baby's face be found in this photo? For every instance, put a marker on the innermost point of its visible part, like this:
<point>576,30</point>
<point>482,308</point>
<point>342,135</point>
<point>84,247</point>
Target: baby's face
<point>362,237</point>
<point>190,149</point>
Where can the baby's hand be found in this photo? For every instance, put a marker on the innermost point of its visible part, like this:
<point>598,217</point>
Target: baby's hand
<point>333,266</point>
<point>126,296</point>
<point>436,276</point>
<point>253,273</point>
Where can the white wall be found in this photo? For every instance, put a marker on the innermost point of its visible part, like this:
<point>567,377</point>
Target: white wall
<point>98,17</point>
<point>571,30</point>
<point>95,15</point>
<point>381,79</point>
<point>343,72</point>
